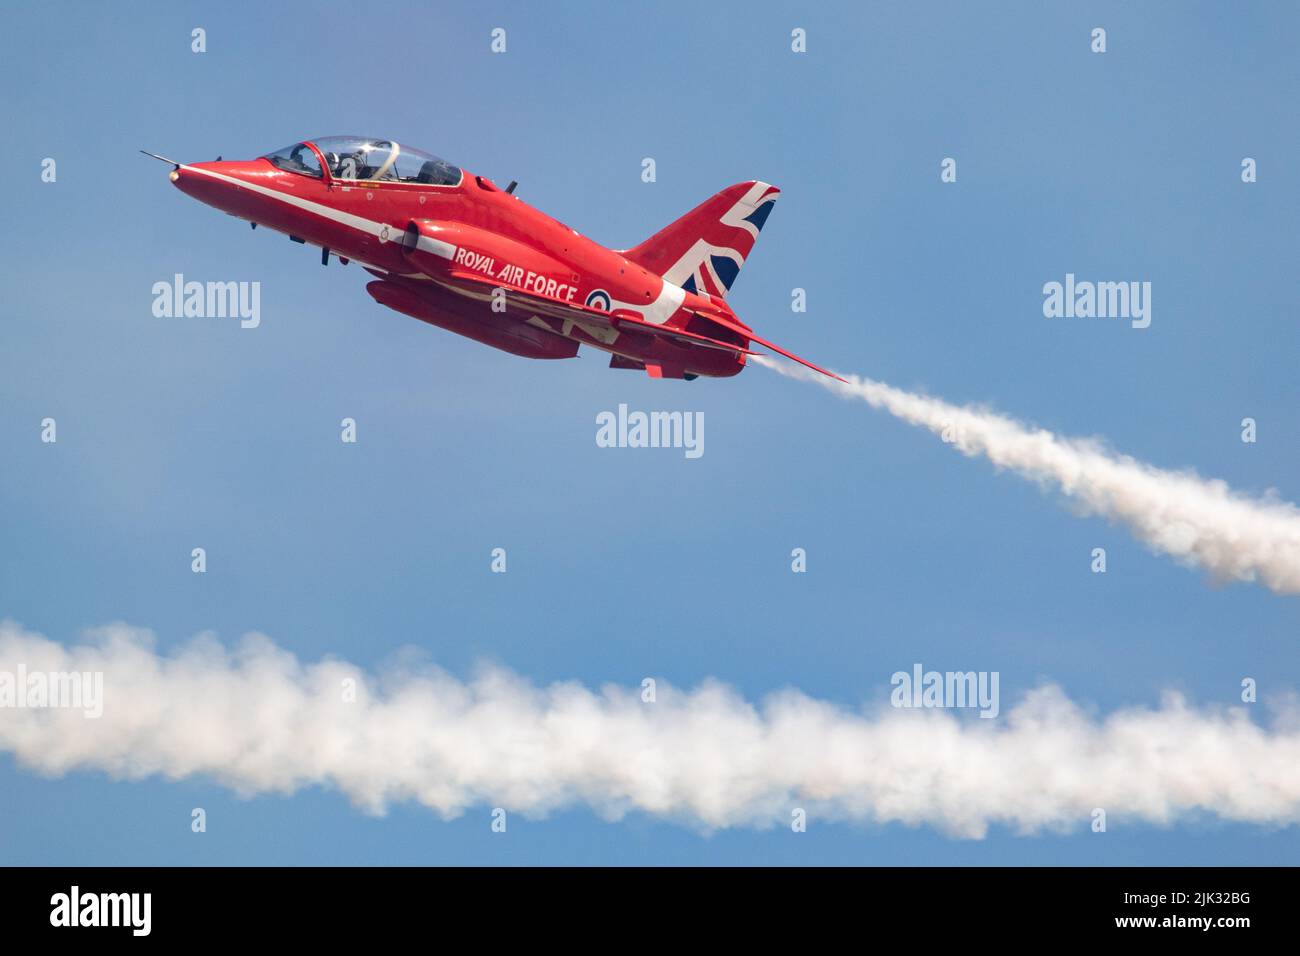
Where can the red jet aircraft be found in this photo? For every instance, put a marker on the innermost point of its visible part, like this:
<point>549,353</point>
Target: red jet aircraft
<point>453,250</point>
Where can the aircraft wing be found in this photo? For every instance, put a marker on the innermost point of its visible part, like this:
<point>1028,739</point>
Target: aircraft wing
<point>734,326</point>
<point>561,308</point>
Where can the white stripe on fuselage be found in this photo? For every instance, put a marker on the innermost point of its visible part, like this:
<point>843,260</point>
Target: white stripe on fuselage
<point>657,312</point>
<point>360,223</point>
<point>663,308</point>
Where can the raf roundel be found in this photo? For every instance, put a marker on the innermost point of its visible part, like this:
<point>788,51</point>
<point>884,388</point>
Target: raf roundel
<point>598,299</point>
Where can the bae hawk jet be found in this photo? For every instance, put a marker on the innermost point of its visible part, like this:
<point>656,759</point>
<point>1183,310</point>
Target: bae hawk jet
<point>450,248</point>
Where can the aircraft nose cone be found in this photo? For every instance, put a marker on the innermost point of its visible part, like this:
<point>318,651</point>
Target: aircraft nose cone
<point>184,180</point>
<point>220,184</point>
<point>196,182</point>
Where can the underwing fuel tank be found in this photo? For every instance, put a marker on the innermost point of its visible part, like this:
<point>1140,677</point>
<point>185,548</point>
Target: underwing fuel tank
<point>497,330</point>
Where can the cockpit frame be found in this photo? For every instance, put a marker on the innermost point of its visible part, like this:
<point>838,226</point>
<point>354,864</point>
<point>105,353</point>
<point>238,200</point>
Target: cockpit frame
<point>393,165</point>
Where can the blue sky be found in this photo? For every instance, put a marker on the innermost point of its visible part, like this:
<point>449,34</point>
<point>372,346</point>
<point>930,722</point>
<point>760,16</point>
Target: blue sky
<point>182,433</point>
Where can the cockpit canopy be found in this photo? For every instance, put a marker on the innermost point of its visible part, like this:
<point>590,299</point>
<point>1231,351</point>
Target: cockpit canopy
<point>366,159</point>
<point>296,159</point>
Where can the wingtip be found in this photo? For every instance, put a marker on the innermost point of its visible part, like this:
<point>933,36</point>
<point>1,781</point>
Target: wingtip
<point>790,355</point>
<point>806,364</point>
<point>734,325</point>
<point>826,372</point>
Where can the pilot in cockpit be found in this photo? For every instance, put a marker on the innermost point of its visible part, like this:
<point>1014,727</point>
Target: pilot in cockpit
<point>354,159</point>
<point>349,167</point>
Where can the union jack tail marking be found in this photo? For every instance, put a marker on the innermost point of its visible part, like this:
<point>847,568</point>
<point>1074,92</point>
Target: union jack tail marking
<point>704,250</point>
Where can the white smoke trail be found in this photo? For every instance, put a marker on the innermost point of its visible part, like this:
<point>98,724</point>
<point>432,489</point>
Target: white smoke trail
<point>1199,521</point>
<point>258,720</point>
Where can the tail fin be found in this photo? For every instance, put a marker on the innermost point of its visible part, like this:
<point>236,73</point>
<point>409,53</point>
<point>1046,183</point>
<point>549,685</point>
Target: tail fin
<point>704,250</point>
